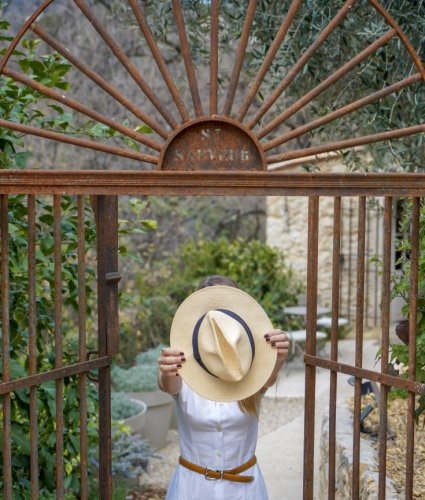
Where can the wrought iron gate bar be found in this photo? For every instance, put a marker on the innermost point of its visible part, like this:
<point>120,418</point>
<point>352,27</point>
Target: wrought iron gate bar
<point>413,301</point>
<point>185,50</point>
<point>385,346</point>
<point>382,378</point>
<point>338,113</point>
<point>126,63</point>
<point>55,374</point>
<point>265,65</point>
<point>311,344</point>
<point>347,143</point>
<point>215,10</point>
<point>333,382</point>
<point>82,339</point>
<point>299,65</point>
<point>211,183</point>
<point>96,78</point>
<point>361,232</point>
<point>243,41</point>
<point>57,298</point>
<point>32,345</point>
<point>5,318</point>
<point>144,27</point>
<point>338,74</point>
<point>71,103</point>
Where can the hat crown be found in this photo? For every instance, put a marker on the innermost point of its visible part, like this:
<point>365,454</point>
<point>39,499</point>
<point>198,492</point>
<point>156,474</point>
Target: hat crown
<point>224,346</point>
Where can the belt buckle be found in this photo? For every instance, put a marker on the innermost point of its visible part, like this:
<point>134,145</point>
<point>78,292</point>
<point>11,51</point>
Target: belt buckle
<point>209,478</point>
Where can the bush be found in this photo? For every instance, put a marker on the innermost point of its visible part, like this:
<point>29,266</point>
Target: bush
<point>124,407</point>
<point>401,288</point>
<point>257,268</point>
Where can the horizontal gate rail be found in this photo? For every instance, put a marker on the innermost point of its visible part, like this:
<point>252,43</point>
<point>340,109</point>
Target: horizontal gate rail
<point>382,378</point>
<point>55,374</point>
<point>122,182</point>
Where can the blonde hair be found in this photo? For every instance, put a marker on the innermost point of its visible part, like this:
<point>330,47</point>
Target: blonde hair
<point>251,405</point>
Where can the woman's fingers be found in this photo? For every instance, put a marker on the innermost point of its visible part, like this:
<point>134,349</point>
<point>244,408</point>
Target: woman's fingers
<point>278,340</point>
<point>170,360</point>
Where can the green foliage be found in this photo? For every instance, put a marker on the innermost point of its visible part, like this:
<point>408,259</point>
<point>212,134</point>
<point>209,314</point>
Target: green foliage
<point>401,288</point>
<point>123,407</point>
<point>258,269</point>
<point>135,379</point>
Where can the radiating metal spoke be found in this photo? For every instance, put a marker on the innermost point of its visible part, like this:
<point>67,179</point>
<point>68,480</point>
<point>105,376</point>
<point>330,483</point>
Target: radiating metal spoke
<point>345,110</point>
<point>185,49</point>
<point>240,53</point>
<point>215,9</point>
<point>299,65</point>
<point>265,65</point>
<point>125,61</point>
<point>71,103</point>
<point>342,71</point>
<point>96,78</point>
<point>76,141</point>
<point>348,143</point>
<point>159,60</point>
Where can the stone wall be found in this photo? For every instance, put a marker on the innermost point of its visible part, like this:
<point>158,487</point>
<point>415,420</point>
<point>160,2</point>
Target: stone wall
<point>344,462</point>
<point>287,230</point>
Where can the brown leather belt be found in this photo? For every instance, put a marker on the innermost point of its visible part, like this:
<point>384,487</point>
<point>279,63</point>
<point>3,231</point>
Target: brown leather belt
<point>229,475</point>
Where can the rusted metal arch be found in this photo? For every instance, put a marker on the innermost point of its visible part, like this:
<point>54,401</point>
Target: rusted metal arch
<point>164,134</point>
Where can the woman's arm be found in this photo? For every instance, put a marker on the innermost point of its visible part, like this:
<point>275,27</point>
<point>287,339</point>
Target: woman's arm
<point>169,361</point>
<point>278,340</point>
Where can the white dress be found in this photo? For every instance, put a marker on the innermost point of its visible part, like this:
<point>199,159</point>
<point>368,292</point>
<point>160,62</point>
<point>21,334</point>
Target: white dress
<point>219,436</point>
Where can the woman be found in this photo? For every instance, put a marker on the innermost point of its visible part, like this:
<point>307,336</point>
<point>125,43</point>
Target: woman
<point>218,435</point>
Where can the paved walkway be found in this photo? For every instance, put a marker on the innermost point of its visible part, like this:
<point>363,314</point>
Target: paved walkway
<point>280,453</point>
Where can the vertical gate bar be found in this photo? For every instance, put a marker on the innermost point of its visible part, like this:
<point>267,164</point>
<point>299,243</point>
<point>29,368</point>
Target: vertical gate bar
<point>82,346</point>
<point>334,345</point>
<point>350,248</point>
<point>107,262</point>
<point>414,274</point>
<point>7,434</point>
<point>367,270</point>
<point>376,304</point>
<point>215,6</point>
<point>32,346</point>
<point>359,344</point>
<point>57,256</point>
<point>311,326</point>
<point>386,304</point>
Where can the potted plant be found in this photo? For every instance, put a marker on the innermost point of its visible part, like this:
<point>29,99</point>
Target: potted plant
<point>140,382</point>
<point>130,411</point>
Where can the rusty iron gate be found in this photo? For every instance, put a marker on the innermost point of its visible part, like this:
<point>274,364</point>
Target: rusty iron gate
<point>219,153</point>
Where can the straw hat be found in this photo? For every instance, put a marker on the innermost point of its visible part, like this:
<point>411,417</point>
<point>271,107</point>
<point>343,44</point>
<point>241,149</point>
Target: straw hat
<point>221,331</point>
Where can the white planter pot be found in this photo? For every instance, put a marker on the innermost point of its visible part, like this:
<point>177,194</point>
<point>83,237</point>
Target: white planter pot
<point>138,421</point>
<point>158,416</point>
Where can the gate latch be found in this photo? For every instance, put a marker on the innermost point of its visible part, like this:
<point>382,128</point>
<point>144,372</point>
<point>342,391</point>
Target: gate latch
<point>113,278</point>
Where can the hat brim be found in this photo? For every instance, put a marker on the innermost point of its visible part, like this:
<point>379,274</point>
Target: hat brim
<point>199,380</point>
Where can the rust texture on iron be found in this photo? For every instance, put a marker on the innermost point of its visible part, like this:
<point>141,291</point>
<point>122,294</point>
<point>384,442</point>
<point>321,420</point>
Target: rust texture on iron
<point>57,257</point>
<point>5,325</point>
<point>212,144</point>
<point>361,231</point>
<point>108,327</point>
<point>164,124</point>
<point>32,344</point>
<point>385,345</point>
<point>311,344</point>
<point>413,304</point>
<point>82,338</point>
<point>336,249</point>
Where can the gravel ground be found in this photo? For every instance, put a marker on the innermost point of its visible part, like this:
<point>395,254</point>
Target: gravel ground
<point>275,412</point>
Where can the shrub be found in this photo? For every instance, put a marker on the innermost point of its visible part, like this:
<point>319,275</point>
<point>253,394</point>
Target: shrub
<point>401,288</point>
<point>124,407</point>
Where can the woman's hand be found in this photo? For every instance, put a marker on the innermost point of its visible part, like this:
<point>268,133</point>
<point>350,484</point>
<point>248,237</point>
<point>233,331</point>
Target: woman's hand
<point>170,360</point>
<point>279,340</point>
